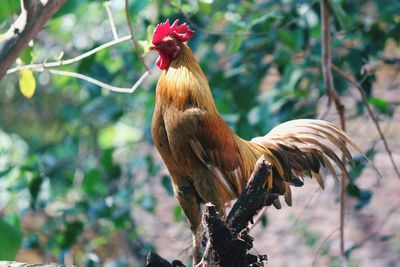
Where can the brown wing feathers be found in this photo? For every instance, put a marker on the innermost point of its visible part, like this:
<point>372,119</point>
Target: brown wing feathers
<point>295,149</point>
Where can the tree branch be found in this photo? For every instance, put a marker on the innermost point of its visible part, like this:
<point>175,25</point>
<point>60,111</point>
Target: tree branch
<point>229,241</point>
<point>327,74</point>
<point>134,41</point>
<point>41,67</point>
<point>96,82</point>
<point>111,19</point>
<point>71,60</point>
<point>34,14</point>
<point>352,81</point>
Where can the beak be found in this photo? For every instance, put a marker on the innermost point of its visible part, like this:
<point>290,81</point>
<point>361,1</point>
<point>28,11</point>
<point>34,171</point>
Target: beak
<point>152,47</point>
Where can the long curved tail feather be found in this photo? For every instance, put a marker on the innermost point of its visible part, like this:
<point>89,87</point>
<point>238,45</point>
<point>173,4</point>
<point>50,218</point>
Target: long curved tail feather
<point>301,147</point>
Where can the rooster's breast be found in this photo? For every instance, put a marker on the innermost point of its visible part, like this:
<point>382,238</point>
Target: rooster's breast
<point>172,131</point>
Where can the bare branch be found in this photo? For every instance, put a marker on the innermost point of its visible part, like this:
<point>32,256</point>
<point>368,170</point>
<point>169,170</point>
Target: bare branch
<point>33,16</point>
<point>134,41</point>
<point>111,19</point>
<point>327,74</point>
<point>352,81</point>
<point>321,244</point>
<point>96,82</point>
<point>228,242</point>
<point>72,60</point>
<point>327,109</point>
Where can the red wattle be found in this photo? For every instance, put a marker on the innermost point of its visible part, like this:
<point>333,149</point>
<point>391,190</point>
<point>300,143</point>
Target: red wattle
<point>163,62</point>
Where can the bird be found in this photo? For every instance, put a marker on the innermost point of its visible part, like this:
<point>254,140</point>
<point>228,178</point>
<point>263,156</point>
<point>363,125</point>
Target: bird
<point>206,160</point>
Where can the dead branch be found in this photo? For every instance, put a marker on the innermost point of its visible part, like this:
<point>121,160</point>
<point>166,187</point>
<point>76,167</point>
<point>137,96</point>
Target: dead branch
<point>134,41</point>
<point>41,67</point>
<point>322,244</point>
<point>97,82</point>
<point>46,66</point>
<point>332,96</point>
<point>155,260</point>
<point>327,57</point>
<point>71,60</point>
<point>353,82</point>
<point>34,14</point>
<point>228,242</point>
<point>253,198</point>
<point>106,5</point>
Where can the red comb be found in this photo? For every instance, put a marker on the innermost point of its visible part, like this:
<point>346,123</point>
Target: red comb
<point>182,32</point>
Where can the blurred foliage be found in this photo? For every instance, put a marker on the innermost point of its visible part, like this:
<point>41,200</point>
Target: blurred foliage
<point>82,158</point>
<point>11,239</point>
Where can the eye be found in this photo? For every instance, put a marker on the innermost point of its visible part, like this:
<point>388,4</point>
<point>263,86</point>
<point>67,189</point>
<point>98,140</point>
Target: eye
<point>170,44</point>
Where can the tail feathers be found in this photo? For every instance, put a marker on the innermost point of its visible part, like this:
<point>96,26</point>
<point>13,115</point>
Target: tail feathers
<point>300,147</point>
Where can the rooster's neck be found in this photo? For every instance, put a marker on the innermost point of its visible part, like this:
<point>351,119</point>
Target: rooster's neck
<point>184,84</point>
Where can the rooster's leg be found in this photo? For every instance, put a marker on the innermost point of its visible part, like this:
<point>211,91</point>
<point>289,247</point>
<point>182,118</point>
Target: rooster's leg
<point>208,193</point>
<point>190,204</point>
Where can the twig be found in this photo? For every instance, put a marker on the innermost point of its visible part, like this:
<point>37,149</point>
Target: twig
<point>327,74</point>
<point>327,109</point>
<point>41,67</point>
<point>375,234</point>
<point>111,19</point>
<point>71,60</point>
<point>96,82</point>
<point>323,243</point>
<point>34,14</point>
<point>134,41</point>
<point>316,191</point>
<point>264,209</point>
<point>352,81</point>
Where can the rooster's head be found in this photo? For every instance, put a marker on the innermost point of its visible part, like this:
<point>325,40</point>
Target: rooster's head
<point>166,39</point>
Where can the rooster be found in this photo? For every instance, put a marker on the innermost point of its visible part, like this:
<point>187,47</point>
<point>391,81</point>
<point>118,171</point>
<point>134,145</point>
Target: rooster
<point>207,161</point>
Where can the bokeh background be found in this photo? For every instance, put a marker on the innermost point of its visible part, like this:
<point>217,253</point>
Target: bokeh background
<point>81,182</point>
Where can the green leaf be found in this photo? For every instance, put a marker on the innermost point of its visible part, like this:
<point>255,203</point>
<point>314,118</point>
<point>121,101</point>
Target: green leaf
<point>143,46</point>
<point>363,196</point>
<point>149,32</point>
<point>288,38</point>
<point>166,182</point>
<point>205,6</point>
<point>71,234</point>
<point>34,188</point>
<point>106,137</point>
<point>381,104</point>
<point>27,83</point>
<point>7,8</point>
<point>107,162</point>
<point>341,16</point>
<point>91,181</point>
<point>234,44</point>
<point>69,7</point>
<point>178,214</point>
<point>27,55</point>
<point>264,220</point>
<point>10,241</point>
<point>270,16</point>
